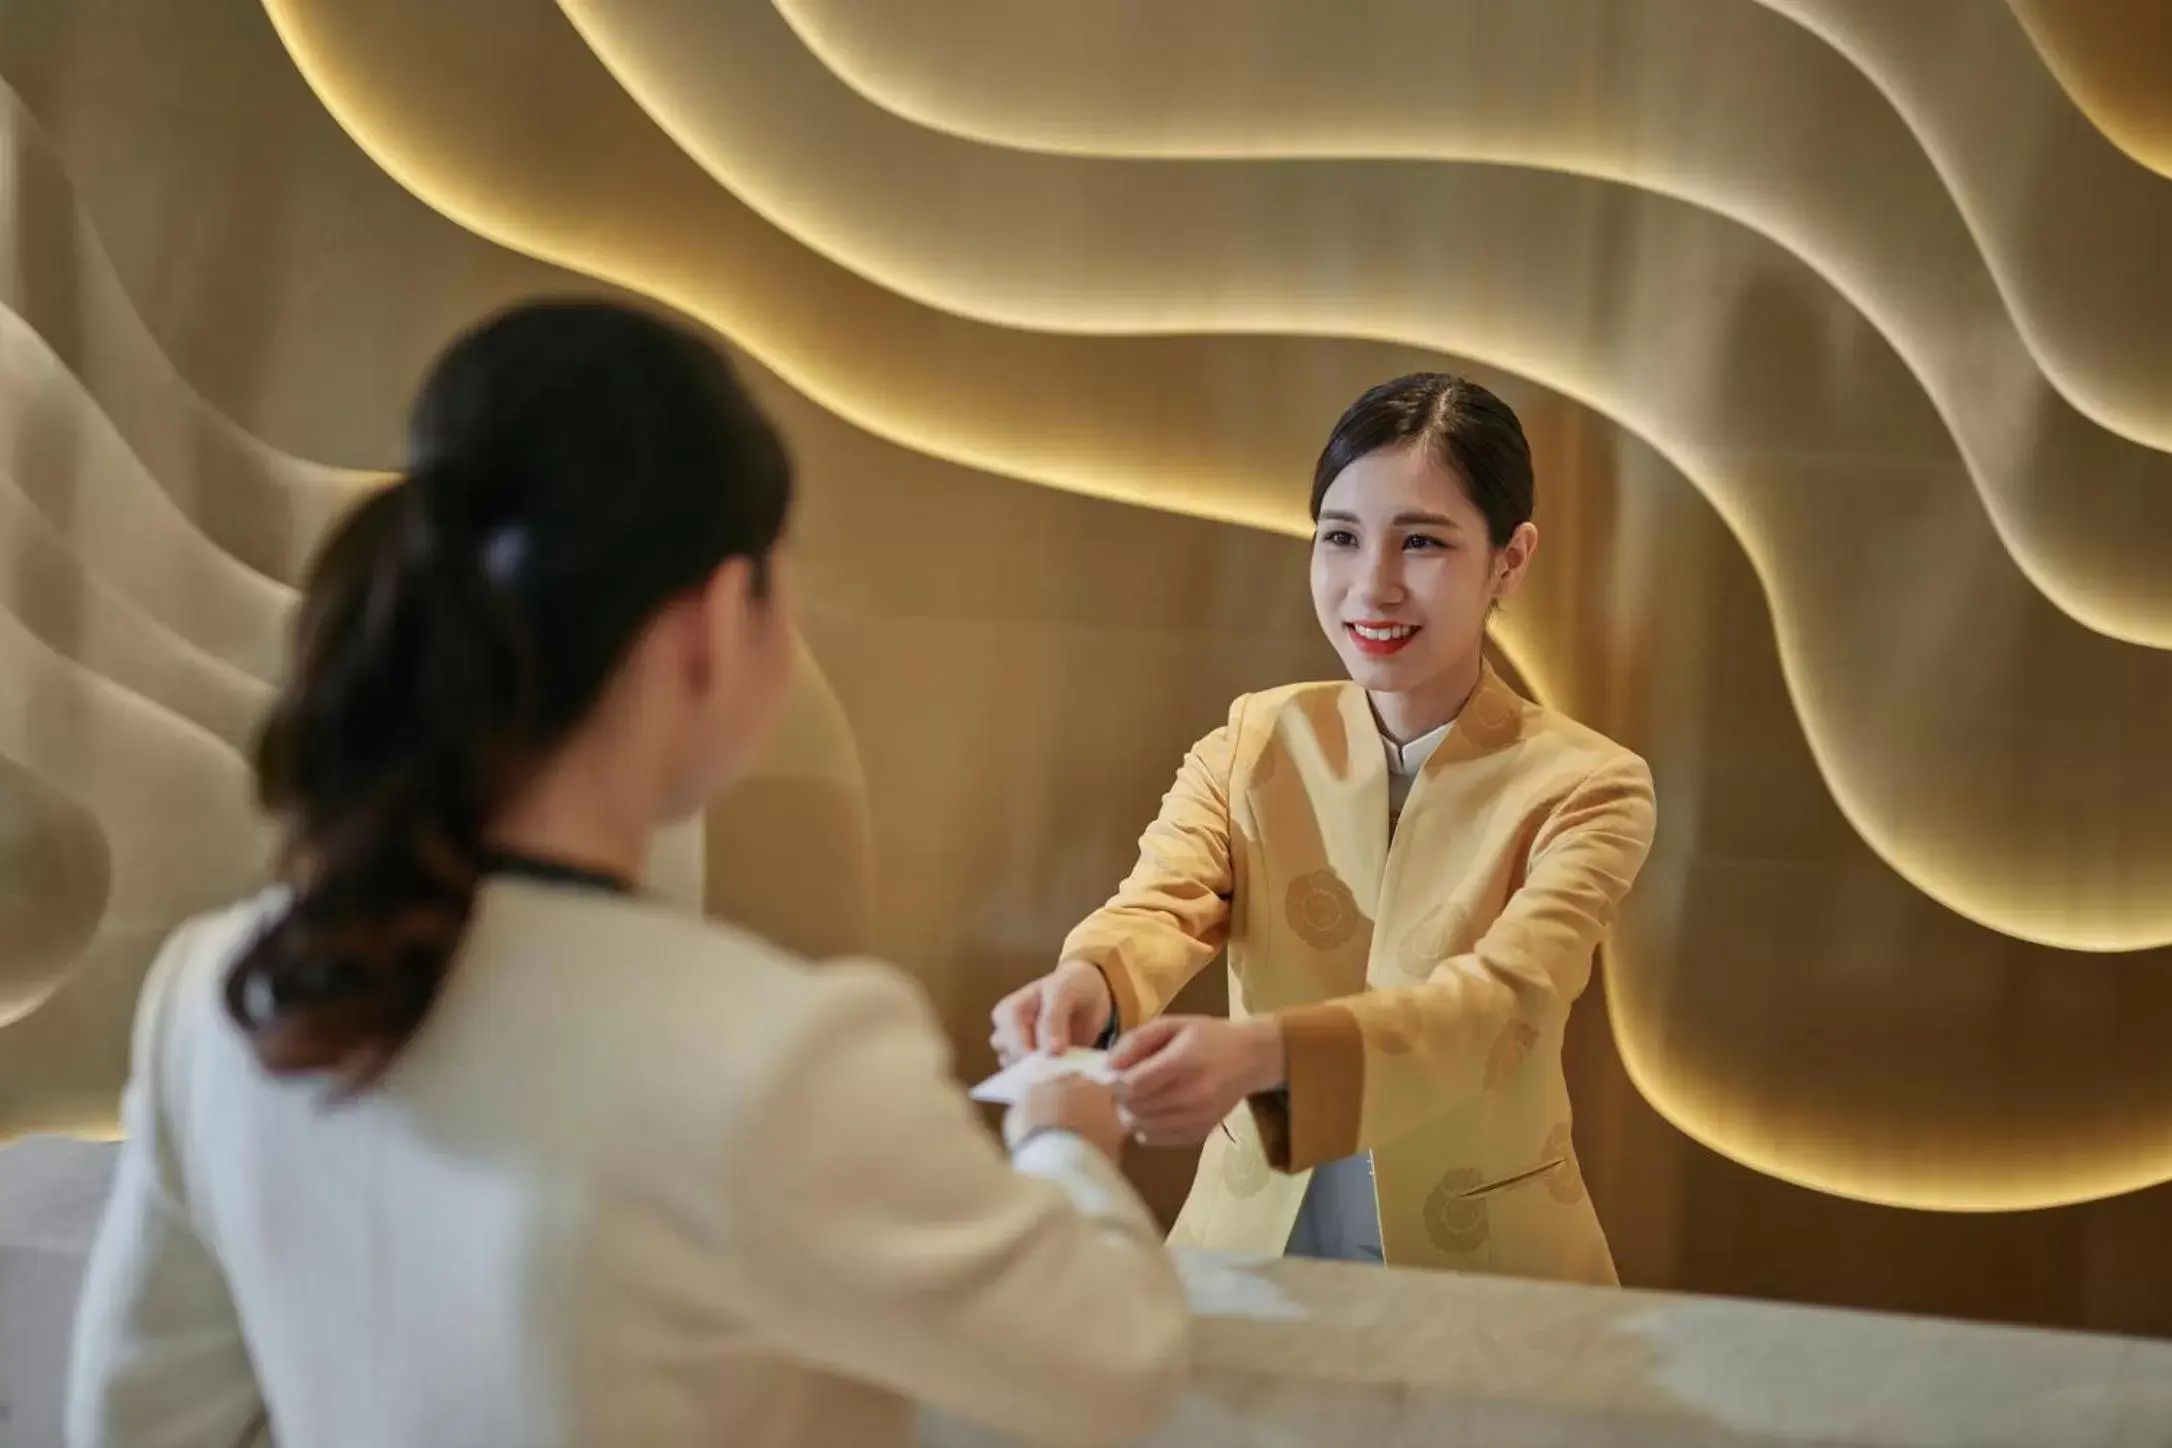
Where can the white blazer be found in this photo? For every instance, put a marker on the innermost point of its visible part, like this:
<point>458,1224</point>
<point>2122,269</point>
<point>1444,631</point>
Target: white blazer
<point>638,1180</point>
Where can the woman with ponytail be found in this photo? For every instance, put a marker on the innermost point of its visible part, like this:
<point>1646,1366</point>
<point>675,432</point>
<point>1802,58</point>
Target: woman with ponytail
<point>453,1137</point>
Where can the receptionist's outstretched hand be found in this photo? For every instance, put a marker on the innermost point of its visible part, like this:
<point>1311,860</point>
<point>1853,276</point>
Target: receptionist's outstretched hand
<point>1180,1075</point>
<point>1067,1007</point>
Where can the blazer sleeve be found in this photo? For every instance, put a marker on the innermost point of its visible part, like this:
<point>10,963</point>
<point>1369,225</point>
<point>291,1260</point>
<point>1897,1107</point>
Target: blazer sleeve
<point>1368,1068</point>
<point>1170,917</point>
<point>882,1234</point>
<point>158,1358</point>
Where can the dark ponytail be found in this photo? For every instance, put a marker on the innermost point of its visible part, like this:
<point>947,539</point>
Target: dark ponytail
<point>577,466</point>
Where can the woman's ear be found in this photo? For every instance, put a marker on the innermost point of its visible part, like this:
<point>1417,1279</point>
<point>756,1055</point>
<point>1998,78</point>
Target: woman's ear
<point>723,605</point>
<point>1513,558</point>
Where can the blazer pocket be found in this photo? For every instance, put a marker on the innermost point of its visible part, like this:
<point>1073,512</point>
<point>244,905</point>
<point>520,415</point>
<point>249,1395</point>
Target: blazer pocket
<point>1510,1183</point>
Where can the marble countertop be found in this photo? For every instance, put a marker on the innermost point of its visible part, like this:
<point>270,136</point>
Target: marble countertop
<point>1293,1352</point>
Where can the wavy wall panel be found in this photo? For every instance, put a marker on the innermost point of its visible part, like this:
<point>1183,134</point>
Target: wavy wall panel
<point>1088,243</point>
<point>53,856</point>
<point>1941,744</point>
<point>411,125</point>
<point>2073,224</point>
<point>1623,90</point>
<point>1094,412</point>
<point>253,502</point>
<point>263,297</point>
<point>2112,57</point>
<point>1776,368</point>
<point>139,630</point>
<point>74,486</point>
<point>1052,450</point>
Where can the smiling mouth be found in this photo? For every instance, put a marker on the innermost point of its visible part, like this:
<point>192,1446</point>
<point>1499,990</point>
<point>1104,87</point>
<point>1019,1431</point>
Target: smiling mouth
<point>1378,640</point>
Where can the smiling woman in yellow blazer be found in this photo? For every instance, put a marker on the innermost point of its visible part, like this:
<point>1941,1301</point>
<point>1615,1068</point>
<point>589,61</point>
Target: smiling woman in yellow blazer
<point>1410,872</point>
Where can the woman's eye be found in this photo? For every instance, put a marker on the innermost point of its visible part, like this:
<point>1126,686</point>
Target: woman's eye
<point>1420,540</point>
<point>1339,538</point>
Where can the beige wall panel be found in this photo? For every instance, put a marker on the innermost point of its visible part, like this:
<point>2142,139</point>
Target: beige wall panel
<point>254,241</point>
<point>103,568</point>
<point>115,461</point>
<point>1781,391</point>
<point>1676,1213</point>
<point>62,1066</point>
<point>1024,669</point>
<point>162,789</point>
<point>395,101</point>
<point>2074,226</point>
<point>790,850</point>
<point>170,802</point>
<point>261,505</point>
<point>1724,103</point>
<point>2114,57</point>
<point>1482,260</point>
<point>59,437</point>
<point>1095,413</point>
<point>54,874</point>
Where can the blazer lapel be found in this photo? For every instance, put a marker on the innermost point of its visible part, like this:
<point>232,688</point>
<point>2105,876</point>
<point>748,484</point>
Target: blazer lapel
<point>1320,798</point>
<point>1442,828</point>
<point>1489,723</point>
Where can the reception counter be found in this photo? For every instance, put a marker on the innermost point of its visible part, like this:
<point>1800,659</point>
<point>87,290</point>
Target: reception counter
<point>1293,1352</point>
<point>1303,1353</point>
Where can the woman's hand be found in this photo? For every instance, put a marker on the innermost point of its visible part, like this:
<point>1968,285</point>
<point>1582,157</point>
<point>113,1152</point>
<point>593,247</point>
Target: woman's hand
<point>1067,1103</point>
<point>1067,1007</point>
<point>1181,1075</point>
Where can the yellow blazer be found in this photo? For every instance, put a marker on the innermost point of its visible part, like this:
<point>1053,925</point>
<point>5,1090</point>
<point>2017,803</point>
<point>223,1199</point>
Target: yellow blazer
<point>1422,983</point>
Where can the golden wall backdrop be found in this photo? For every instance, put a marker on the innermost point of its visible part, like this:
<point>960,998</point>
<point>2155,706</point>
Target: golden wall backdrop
<point>1840,327</point>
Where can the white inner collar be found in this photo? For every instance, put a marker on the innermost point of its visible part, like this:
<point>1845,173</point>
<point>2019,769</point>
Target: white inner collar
<point>1406,760</point>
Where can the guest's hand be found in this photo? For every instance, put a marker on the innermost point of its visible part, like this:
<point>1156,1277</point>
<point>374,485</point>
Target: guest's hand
<point>1067,1103</point>
<point>1181,1075</point>
<point>1067,1007</point>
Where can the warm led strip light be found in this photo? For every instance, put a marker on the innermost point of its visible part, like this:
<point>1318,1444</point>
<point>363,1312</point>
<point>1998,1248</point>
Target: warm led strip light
<point>1923,868</point>
<point>2074,61</point>
<point>413,167</point>
<point>853,70</point>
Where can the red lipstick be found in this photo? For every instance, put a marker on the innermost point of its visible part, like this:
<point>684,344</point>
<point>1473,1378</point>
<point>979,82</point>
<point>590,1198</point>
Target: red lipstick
<point>1377,638</point>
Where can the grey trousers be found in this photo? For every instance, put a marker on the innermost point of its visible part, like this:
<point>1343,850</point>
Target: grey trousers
<point>1340,1218</point>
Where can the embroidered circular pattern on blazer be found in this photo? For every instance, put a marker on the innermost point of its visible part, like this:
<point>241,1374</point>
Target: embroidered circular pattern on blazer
<point>1491,721</point>
<point>1244,1164</point>
<point>1430,940</point>
<point>1322,910</point>
<point>1565,1184</point>
<point>1510,1050</point>
<point>1455,1220</point>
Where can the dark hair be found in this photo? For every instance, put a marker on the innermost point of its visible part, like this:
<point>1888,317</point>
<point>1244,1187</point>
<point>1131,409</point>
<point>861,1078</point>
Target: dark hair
<point>1472,433</point>
<point>575,467</point>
